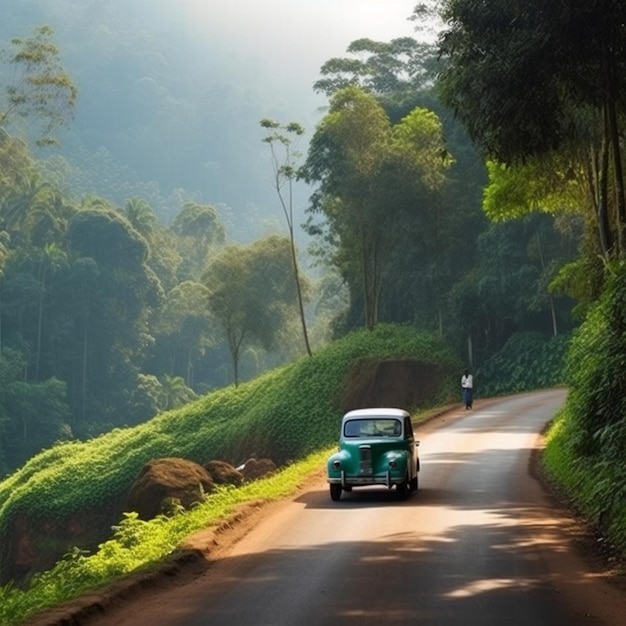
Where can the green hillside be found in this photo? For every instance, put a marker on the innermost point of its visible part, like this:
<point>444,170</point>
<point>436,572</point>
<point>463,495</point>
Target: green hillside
<point>285,415</point>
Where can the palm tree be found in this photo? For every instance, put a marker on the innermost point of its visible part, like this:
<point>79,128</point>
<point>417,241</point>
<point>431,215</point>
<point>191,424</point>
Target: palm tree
<point>175,392</point>
<point>141,216</point>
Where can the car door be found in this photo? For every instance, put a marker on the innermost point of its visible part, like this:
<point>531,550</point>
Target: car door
<point>409,437</point>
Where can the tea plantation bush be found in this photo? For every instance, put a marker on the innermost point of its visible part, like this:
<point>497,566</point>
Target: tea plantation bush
<point>526,362</point>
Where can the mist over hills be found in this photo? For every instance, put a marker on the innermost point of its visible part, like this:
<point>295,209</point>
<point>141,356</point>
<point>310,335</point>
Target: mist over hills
<point>171,93</point>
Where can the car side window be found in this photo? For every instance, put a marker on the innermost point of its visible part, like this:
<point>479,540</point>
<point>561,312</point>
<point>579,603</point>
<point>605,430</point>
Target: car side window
<point>408,428</point>
<point>352,429</point>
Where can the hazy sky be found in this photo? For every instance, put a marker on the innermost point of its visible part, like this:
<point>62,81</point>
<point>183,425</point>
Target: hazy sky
<point>306,30</point>
<point>291,39</point>
<point>148,70</point>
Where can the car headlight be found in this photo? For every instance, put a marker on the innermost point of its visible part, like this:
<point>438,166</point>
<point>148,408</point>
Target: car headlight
<point>393,463</point>
<point>336,464</point>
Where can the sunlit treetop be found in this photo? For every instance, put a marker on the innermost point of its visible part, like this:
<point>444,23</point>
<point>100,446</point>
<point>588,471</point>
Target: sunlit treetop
<point>41,97</point>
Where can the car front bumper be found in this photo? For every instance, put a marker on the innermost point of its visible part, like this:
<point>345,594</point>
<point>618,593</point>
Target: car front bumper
<point>388,479</point>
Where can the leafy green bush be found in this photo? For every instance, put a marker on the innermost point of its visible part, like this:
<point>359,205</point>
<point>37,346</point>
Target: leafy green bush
<point>527,361</point>
<point>597,372</point>
<point>595,487</point>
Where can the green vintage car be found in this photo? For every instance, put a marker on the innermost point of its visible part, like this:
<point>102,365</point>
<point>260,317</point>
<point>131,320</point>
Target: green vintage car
<point>376,447</point>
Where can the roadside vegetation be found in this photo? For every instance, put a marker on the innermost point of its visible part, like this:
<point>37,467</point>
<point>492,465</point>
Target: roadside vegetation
<point>526,362</point>
<point>585,448</point>
<point>137,545</point>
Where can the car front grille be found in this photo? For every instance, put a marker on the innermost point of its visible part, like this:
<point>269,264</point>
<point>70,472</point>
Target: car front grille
<point>365,460</point>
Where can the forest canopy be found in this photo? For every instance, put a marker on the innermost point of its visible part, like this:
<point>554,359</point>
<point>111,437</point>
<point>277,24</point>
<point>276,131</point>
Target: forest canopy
<point>117,302</point>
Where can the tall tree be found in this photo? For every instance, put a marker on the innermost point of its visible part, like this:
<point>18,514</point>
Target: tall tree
<point>397,68</point>
<point>250,300</point>
<point>122,294</point>
<point>199,230</point>
<point>140,214</point>
<point>533,78</point>
<point>280,139</point>
<point>370,175</point>
<point>52,257</point>
<point>183,331</point>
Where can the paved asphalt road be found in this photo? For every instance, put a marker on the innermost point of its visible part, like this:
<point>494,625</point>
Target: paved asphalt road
<point>479,544</point>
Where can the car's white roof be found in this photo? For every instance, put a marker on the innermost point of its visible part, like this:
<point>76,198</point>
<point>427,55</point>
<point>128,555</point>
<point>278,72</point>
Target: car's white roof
<point>376,412</point>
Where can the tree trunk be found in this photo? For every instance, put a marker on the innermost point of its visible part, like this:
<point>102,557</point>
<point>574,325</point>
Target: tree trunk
<point>42,289</point>
<point>83,386</point>
<point>369,270</point>
<point>296,275</point>
<point>600,194</point>
<point>614,139</point>
<point>189,377</point>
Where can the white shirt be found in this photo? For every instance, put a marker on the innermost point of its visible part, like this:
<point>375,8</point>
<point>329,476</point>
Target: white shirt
<point>467,381</point>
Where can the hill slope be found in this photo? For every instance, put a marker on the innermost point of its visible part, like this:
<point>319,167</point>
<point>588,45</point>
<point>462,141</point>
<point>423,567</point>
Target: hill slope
<point>72,494</point>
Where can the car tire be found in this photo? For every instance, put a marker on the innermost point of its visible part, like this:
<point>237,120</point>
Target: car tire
<point>414,484</point>
<point>403,489</point>
<point>335,492</point>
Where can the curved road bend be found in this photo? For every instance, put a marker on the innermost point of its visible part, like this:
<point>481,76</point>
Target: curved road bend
<point>479,544</point>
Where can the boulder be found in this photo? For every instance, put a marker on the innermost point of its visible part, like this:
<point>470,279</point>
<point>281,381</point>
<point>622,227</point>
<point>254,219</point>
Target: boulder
<point>163,482</point>
<point>255,468</point>
<point>223,473</point>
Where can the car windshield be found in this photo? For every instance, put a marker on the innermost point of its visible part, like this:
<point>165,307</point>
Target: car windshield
<point>373,427</point>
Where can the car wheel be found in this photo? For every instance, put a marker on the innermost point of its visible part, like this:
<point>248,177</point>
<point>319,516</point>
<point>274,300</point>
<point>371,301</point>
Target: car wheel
<point>403,489</point>
<point>414,484</point>
<point>335,492</point>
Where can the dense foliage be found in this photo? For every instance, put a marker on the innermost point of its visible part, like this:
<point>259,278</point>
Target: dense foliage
<point>597,403</point>
<point>375,181</point>
<point>109,314</point>
<point>540,87</point>
<point>527,361</point>
<point>107,304</point>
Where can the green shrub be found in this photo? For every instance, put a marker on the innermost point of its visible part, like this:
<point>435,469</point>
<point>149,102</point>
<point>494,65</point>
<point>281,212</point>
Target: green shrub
<point>594,486</point>
<point>597,374</point>
<point>527,361</point>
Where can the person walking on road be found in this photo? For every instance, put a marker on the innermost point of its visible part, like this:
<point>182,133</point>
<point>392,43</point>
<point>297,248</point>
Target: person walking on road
<point>467,386</point>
